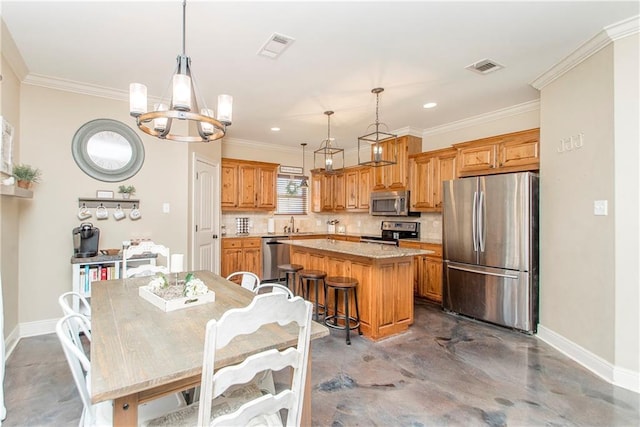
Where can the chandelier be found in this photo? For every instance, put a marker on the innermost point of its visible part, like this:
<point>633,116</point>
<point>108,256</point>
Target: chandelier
<point>374,141</point>
<point>305,182</point>
<point>328,152</point>
<point>183,105</point>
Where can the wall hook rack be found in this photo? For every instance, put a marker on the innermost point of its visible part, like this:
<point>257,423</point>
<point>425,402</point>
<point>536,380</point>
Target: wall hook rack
<point>94,203</point>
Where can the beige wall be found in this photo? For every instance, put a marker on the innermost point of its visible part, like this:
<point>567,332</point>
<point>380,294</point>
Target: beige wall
<point>577,280</point>
<point>49,120</point>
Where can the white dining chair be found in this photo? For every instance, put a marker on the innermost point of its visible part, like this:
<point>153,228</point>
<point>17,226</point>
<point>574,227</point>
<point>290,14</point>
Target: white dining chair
<point>73,302</point>
<point>273,287</point>
<point>228,396</point>
<point>68,330</point>
<point>144,248</point>
<point>247,279</point>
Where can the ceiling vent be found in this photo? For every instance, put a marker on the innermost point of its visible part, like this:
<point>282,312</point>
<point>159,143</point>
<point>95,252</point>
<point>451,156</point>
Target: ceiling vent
<point>276,44</point>
<point>485,66</point>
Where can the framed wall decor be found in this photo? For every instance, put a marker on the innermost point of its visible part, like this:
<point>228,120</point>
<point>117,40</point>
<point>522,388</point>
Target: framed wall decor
<point>6,148</point>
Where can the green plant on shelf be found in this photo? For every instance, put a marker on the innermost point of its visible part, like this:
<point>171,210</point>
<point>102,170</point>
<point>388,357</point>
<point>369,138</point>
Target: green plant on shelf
<point>126,190</point>
<point>25,175</point>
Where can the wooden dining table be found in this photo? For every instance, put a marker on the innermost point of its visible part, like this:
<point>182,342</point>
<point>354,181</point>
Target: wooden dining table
<point>140,352</point>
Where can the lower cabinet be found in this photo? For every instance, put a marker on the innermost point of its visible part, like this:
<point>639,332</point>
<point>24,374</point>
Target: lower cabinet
<point>241,254</point>
<point>427,273</point>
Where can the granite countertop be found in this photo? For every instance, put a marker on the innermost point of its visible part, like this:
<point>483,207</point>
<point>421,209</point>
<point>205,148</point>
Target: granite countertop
<point>367,250</point>
<point>311,233</point>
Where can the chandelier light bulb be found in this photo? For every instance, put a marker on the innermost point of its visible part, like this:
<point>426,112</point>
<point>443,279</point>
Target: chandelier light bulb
<point>182,92</point>
<point>377,153</point>
<point>225,108</point>
<point>207,128</point>
<point>160,124</point>
<point>137,99</point>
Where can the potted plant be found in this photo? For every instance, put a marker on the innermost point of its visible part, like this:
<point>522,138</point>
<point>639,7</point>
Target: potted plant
<point>126,191</point>
<point>25,175</point>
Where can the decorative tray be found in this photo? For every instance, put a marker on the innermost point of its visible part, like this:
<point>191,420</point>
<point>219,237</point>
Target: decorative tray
<point>170,297</point>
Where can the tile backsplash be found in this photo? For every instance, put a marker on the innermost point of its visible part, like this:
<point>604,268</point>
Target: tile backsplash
<point>355,223</point>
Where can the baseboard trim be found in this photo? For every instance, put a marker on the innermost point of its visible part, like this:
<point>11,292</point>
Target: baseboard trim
<point>620,377</point>
<point>29,329</point>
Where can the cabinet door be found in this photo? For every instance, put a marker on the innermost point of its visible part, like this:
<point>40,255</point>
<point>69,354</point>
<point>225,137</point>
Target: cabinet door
<point>247,190</point>
<point>521,152</point>
<point>433,276</point>
<point>364,188</point>
<point>421,187</point>
<point>231,259</point>
<point>396,175</point>
<point>339,198</point>
<point>446,170</point>
<point>316,193</point>
<point>229,187</point>
<point>252,261</point>
<point>327,192</point>
<point>477,158</point>
<point>267,188</point>
<point>351,189</point>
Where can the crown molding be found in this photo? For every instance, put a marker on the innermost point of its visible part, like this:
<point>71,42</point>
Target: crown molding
<point>76,87</point>
<point>609,34</point>
<point>525,107</point>
<point>408,130</point>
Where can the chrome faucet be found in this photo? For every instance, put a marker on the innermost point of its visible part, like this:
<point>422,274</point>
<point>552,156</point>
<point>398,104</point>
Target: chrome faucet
<point>292,225</point>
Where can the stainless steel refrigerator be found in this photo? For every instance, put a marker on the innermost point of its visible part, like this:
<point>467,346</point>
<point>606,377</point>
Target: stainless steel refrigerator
<point>490,246</point>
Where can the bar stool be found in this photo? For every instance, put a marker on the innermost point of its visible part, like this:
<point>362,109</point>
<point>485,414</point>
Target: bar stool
<point>290,271</point>
<point>316,276</point>
<point>344,284</point>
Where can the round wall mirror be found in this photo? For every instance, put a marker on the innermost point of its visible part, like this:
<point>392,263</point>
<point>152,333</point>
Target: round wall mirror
<point>107,150</point>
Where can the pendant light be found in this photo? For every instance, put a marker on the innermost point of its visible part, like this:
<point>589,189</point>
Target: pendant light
<point>378,140</point>
<point>305,182</point>
<point>183,105</point>
<point>331,156</point>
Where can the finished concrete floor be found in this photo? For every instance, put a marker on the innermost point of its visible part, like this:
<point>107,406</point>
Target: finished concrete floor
<point>445,371</point>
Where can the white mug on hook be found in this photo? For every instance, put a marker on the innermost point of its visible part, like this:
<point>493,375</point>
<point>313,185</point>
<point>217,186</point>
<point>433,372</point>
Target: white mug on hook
<point>118,213</point>
<point>102,212</point>
<point>135,213</point>
<point>84,213</point>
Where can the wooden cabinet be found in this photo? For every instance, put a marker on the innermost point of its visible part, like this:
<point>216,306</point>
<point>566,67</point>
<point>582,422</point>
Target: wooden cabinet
<point>241,254</point>
<point>357,188</point>
<point>427,273</point>
<point>248,185</point>
<point>427,171</point>
<point>396,177</point>
<point>512,152</point>
<point>328,192</point>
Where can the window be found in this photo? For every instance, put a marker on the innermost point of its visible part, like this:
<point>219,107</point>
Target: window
<point>292,200</point>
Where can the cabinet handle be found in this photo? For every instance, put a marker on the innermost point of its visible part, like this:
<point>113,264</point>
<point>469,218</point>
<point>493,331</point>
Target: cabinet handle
<point>215,236</point>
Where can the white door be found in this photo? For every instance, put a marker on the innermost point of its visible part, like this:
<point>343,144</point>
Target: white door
<point>206,242</point>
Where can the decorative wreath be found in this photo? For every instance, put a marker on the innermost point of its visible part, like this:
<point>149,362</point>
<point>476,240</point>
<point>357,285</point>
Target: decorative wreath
<point>292,188</point>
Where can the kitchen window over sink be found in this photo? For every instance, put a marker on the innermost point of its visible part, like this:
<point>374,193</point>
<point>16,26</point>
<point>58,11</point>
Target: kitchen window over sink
<point>292,199</point>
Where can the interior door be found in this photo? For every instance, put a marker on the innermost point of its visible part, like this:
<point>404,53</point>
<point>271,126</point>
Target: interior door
<point>206,253</point>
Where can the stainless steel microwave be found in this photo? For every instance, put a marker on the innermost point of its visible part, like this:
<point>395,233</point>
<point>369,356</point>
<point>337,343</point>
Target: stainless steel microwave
<point>389,203</point>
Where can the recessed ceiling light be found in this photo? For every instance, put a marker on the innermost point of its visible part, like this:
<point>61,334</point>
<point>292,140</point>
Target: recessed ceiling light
<point>429,105</point>
<point>275,129</point>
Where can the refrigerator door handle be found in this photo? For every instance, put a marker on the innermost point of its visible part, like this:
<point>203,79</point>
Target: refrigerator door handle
<point>481,219</point>
<point>474,221</point>
<point>487,273</point>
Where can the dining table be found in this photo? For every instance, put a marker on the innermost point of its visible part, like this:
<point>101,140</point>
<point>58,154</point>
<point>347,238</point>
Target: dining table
<point>140,352</point>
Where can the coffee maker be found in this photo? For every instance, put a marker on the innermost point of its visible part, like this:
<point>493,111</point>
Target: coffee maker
<point>85,240</point>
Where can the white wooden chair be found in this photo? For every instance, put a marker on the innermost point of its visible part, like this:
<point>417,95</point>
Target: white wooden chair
<point>145,269</point>
<point>228,393</point>
<point>73,302</point>
<point>273,287</point>
<point>100,414</point>
<point>247,279</point>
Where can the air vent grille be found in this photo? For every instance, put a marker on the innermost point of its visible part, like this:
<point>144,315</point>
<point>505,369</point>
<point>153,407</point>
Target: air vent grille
<point>275,45</point>
<point>485,66</point>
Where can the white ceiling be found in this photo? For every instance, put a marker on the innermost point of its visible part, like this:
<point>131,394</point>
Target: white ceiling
<point>416,51</point>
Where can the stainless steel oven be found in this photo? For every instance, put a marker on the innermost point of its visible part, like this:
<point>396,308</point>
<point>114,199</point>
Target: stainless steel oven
<point>274,253</point>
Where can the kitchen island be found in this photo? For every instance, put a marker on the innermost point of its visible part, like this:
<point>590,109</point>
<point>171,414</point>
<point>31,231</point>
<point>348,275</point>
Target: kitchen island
<point>384,274</point>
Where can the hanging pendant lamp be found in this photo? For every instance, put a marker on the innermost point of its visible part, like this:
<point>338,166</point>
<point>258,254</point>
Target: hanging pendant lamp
<point>182,105</point>
<point>305,182</point>
<point>378,140</point>
<point>331,156</point>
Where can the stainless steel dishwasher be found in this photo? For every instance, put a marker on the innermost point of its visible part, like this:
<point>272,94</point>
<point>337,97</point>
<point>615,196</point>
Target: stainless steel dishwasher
<point>274,253</point>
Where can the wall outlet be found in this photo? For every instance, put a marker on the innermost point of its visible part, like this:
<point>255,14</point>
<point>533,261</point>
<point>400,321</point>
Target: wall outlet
<point>318,222</point>
<point>600,207</point>
<point>166,208</point>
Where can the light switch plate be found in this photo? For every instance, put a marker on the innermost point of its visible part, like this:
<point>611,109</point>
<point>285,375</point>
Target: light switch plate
<point>600,207</point>
<point>166,208</point>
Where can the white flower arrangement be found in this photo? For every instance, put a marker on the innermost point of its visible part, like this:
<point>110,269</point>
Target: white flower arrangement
<point>195,287</point>
<point>190,287</point>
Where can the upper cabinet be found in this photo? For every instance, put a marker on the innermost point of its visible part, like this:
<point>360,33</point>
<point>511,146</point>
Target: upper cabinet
<point>427,171</point>
<point>347,190</point>
<point>248,185</point>
<point>396,177</point>
<point>512,152</point>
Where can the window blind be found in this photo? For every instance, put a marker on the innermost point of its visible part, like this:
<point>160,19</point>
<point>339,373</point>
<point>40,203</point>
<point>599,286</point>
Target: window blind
<point>292,200</point>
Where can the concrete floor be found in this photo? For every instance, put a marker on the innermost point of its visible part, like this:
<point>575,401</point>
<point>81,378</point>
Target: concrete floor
<point>445,370</point>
